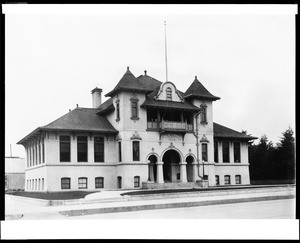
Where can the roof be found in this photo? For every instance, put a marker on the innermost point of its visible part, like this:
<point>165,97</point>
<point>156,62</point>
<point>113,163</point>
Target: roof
<point>105,107</point>
<point>129,82</point>
<point>225,132</point>
<point>151,102</point>
<point>79,119</point>
<point>14,165</point>
<point>197,89</point>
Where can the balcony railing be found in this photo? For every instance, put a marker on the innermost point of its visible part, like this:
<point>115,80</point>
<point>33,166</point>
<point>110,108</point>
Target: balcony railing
<point>170,126</point>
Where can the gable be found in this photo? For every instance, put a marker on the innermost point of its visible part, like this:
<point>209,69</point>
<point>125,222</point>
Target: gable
<point>168,91</point>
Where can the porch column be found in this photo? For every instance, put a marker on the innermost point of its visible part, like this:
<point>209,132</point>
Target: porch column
<point>231,153</point>
<point>151,171</point>
<point>183,172</point>
<point>195,172</point>
<point>159,172</point>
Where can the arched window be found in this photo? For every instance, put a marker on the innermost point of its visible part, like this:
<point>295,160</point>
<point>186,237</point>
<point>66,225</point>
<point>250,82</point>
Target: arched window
<point>238,179</point>
<point>136,181</point>
<point>168,93</point>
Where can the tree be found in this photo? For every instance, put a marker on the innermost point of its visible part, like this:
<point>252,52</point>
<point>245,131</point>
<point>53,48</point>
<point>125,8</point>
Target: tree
<point>286,155</point>
<point>259,158</point>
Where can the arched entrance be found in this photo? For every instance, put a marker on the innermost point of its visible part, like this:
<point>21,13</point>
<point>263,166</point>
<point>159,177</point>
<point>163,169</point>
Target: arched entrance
<point>152,168</point>
<point>171,168</point>
<point>189,168</point>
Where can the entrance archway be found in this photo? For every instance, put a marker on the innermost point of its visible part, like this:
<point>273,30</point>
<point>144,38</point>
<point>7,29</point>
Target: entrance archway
<point>189,168</point>
<point>152,168</point>
<point>171,168</point>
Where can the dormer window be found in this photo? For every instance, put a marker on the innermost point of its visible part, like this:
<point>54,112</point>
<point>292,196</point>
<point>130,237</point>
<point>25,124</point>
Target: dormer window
<point>169,93</point>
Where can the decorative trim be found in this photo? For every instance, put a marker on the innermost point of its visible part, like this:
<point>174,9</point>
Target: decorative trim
<point>118,138</point>
<point>136,136</point>
<point>161,90</point>
<point>204,139</point>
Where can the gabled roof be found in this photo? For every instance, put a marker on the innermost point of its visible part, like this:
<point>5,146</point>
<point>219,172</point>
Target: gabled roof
<point>129,82</point>
<point>225,132</point>
<point>107,106</point>
<point>197,90</point>
<point>79,119</point>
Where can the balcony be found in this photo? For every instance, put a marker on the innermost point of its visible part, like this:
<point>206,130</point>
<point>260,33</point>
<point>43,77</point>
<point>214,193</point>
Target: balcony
<point>170,126</point>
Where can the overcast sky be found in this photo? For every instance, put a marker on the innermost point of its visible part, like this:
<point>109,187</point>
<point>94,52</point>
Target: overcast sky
<point>54,61</point>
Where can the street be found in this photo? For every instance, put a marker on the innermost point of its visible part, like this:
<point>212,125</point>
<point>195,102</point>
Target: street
<point>274,209</point>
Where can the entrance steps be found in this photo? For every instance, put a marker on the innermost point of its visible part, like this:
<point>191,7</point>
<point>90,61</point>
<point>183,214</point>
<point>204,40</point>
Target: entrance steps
<point>174,185</point>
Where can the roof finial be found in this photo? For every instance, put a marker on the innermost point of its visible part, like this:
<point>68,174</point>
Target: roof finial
<point>127,68</point>
<point>76,105</point>
<point>145,72</point>
<point>196,77</point>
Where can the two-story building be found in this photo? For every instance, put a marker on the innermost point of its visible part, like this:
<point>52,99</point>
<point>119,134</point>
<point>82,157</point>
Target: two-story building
<point>147,134</point>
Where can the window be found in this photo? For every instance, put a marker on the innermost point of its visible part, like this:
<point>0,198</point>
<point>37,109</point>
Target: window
<point>203,116</point>
<point>65,183</point>
<point>136,150</point>
<point>82,183</point>
<point>43,151</point>
<point>216,153</point>
<point>217,180</point>
<point>64,148</point>
<point>205,177</point>
<point>43,184</point>
<point>6,181</point>
<point>238,179</point>
<point>120,151</point>
<point>40,161</point>
<point>178,176</point>
<point>82,149</point>
<point>99,149</point>
<point>227,180</point>
<point>134,109</point>
<point>136,181</point>
<point>225,150</point>
<point>99,182</point>
<point>118,111</point>
<point>119,181</point>
<point>168,93</point>
<point>204,152</point>
<point>237,152</point>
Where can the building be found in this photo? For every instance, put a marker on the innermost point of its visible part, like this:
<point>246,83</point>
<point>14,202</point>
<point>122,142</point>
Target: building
<point>14,173</point>
<point>148,134</point>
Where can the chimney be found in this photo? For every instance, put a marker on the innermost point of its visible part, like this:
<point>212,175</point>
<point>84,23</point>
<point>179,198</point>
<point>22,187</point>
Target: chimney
<point>96,96</point>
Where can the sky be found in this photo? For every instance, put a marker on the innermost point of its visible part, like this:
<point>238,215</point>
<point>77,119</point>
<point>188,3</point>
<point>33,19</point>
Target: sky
<point>53,61</point>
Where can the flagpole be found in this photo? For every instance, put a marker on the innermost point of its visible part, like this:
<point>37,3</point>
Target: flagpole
<point>166,52</point>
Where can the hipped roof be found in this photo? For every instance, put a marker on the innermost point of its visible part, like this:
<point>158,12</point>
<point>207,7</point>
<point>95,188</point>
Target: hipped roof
<point>129,82</point>
<point>197,90</point>
<point>225,132</point>
<point>79,119</point>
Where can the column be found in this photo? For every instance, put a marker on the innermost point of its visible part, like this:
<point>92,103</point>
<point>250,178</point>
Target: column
<point>151,172</point>
<point>183,172</point>
<point>159,172</point>
<point>90,145</point>
<point>195,171</point>
<point>38,152</point>
<point>42,155</point>
<point>231,155</point>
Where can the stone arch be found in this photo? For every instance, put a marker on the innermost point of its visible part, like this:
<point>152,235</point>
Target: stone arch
<point>171,167</point>
<point>152,159</point>
<point>190,159</point>
<point>172,148</point>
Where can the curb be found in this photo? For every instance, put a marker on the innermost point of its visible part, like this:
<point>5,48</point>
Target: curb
<point>81,212</point>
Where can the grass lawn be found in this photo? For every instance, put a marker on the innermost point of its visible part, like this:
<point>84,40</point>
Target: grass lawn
<point>52,195</point>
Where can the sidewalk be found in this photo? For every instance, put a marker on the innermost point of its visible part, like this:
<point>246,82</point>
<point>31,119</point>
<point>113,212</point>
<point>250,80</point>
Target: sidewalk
<point>114,202</point>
